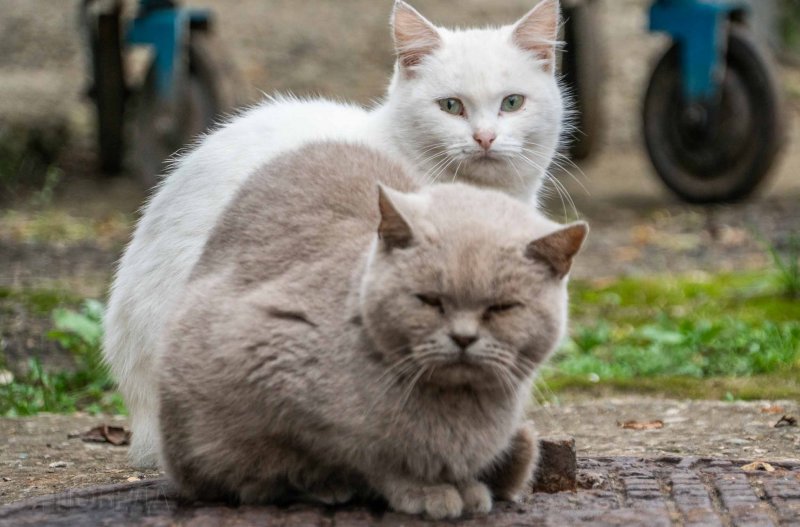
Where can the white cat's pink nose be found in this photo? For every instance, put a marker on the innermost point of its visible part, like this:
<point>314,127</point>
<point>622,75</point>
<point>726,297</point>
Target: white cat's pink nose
<point>485,139</point>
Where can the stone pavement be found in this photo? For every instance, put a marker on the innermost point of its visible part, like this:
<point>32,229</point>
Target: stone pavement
<point>666,491</point>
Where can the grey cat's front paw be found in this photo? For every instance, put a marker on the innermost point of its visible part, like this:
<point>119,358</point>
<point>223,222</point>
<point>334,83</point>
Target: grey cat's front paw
<point>436,501</point>
<point>324,486</point>
<point>477,498</point>
<point>331,496</point>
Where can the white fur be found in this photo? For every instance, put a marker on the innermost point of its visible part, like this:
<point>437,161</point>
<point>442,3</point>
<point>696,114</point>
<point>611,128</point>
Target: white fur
<point>480,67</point>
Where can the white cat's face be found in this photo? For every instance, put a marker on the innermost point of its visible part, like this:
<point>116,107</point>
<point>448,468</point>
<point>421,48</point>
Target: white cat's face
<point>479,105</point>
<point>461,301</point>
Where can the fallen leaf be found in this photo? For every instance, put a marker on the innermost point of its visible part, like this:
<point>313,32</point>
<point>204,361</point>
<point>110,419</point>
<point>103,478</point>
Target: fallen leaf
<point>758,465</point>
<point>641,425</point>
<point>774,409</point>
<point>786,420</point>
<point>116,435</point>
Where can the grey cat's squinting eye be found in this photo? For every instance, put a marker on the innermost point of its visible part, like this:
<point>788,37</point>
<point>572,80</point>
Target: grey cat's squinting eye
<point>432,301</point>
<point>499,309</point>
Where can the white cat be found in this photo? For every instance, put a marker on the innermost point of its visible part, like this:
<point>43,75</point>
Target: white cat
<point>479,106</point>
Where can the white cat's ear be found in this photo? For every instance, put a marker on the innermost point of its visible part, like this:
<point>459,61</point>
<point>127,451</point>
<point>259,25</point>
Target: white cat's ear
<point>414,36</point>
<point>557,249</point>
<point>537,31</point>
<point>393,230</point>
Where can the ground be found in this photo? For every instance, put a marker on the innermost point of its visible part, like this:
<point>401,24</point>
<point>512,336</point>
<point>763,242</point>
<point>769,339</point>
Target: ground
<point>741,430</point>
<point>63,233</point>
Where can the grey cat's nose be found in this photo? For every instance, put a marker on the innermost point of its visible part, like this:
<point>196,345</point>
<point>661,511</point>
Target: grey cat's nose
<point>463,341</point>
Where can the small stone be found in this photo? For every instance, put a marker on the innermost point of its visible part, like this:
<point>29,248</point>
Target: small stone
<point>591,480</point>
<point>132,479</point>
<point>58,464</point>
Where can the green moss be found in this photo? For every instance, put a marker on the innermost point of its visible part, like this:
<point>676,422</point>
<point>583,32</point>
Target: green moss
<point>681,335</point>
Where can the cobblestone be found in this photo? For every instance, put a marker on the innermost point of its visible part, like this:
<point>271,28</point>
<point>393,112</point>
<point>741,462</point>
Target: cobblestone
<point>667,491</point>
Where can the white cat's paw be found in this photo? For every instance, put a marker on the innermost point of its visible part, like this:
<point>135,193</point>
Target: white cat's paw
<point>477,498</point>
<point>435,501</point>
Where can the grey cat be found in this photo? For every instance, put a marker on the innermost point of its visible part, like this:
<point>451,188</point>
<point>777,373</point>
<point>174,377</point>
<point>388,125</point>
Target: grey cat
<point>348,333</point>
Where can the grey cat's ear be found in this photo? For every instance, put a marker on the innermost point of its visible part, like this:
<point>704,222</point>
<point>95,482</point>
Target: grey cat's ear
<point>537,31</point>
<point>414,36</point>
<point>559,248</point>
<point>393,230</point>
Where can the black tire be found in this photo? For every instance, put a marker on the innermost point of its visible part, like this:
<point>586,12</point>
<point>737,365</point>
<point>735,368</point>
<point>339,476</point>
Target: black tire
<point>160,130</point>
<point>109,90</point>
<point>582,66</point>
<point>732,156</point>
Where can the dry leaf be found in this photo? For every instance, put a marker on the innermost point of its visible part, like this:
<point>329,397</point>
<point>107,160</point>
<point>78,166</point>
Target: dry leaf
<point>641,425</point>
<point>758,465</point>
<point>116,435</point>
<point>786,420</point>
<point>774,409</point>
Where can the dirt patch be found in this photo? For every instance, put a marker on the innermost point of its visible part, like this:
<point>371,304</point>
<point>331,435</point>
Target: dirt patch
<point>37,457</point>
<point>28,447</point>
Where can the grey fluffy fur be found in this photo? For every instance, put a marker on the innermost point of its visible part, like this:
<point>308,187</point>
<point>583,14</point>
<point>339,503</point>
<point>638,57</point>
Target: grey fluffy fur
<point>302,362</point>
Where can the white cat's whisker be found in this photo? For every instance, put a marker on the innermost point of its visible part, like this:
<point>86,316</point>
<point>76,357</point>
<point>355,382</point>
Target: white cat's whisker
<point>427,176</point>
<point>455,174</point>
<point>562,191</point>
<point>560,161</point>
<point>442,170</point>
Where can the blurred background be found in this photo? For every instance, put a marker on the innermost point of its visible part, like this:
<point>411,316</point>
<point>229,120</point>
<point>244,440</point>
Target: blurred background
<point>668,297</point>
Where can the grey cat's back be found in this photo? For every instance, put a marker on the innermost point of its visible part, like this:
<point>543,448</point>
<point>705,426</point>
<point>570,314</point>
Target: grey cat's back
<point>304,206</point>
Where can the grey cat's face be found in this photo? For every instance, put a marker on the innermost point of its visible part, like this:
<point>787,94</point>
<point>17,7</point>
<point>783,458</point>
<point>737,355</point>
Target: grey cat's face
<point>463,302</point>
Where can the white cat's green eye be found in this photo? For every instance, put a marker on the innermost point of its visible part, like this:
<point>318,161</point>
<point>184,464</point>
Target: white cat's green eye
<point>512,103</point>
<point>451,105</point>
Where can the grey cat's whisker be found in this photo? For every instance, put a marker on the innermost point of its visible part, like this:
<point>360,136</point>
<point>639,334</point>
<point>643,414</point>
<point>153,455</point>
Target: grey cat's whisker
<point>407,394</point>
<point>553,420</point>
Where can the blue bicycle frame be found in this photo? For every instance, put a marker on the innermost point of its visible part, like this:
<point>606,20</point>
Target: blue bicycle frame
<point>698,26</point>
<point>165,27</point>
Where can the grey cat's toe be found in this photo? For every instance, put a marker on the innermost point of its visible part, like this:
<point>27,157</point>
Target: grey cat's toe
<point>477,498</point>
<point>443,501</point>
<point>435,501</point>
<point>332,496</point>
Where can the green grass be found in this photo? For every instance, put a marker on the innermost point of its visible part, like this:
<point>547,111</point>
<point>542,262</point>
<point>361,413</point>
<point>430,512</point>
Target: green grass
<point>727,335</point>
<point>87,388</point>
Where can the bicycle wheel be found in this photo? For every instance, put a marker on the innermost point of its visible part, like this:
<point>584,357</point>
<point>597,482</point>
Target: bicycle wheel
<point>159,129</point>
<point>726,156</point>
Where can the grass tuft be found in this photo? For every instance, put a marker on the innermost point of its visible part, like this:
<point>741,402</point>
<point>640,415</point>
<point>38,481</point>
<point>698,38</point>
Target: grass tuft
<point>87,388</point>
